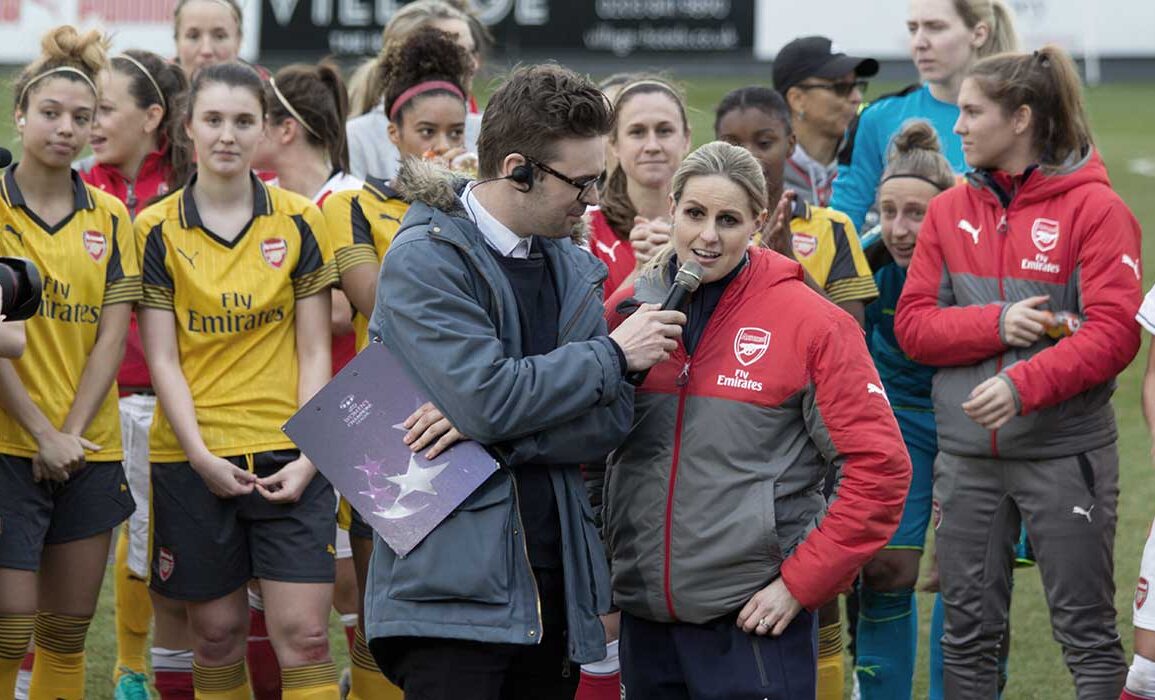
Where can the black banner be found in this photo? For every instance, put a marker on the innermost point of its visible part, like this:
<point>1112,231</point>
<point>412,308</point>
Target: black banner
<point>524,27</point>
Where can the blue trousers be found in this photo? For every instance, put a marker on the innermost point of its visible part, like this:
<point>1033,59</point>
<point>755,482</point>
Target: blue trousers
<point>717,660</point>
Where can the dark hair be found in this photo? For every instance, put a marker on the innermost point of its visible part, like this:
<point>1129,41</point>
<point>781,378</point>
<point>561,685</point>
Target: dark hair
<point>231,4</point>
<point>156,81</point>
<point>536,107</point>
<point>1047,82</point>
<point>63,47</point>
<point>233,74</point>
<point>317,95</point>
<point>756,97</point>
<point>615,203</point>
<point>428,54</point>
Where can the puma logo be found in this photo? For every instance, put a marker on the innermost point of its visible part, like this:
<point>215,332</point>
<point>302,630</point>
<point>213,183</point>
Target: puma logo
<point>970,228</point>
<point>387,217</point>
<point>191,259</point>
<point>872,388</point>
<point>1131,263</point>
<point>610,250</point>
<point>14,232</point>
<point>1076,510</point>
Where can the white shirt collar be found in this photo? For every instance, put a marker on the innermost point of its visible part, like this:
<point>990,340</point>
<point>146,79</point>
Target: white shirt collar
<point>497,235</point>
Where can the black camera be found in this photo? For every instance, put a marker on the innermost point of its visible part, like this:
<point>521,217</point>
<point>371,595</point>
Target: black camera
<point>20,289</point>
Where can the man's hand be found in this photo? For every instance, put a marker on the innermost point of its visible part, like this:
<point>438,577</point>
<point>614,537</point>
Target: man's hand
<point>649,336</point>
<point>770,611</point>
<point>1024,324</point>
<point>991,404</point>
<point>427,425</point>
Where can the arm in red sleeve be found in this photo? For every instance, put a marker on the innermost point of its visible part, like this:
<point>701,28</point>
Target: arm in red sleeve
<point>856,421</point>
<point>929,327</point>
<point>1109,338</point>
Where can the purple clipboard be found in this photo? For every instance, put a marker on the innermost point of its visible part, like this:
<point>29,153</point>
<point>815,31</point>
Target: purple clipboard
<point>351,429</point>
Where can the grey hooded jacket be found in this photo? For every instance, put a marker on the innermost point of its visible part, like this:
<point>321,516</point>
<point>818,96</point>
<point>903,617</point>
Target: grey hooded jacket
<point>446,309</point>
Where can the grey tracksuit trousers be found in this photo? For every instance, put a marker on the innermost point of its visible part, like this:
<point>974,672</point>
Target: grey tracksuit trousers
<point>1069,507</point>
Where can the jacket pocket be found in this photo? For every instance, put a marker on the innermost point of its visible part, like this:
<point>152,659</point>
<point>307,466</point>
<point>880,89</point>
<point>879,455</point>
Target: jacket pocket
<point>467,557</point>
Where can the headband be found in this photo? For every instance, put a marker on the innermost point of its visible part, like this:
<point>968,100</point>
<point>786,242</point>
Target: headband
<point>61,69</point>
<point>420,89</point>
<point>666,87</point>
<point>927,180</point>
<point>296,115</point>
<point>139,65</point>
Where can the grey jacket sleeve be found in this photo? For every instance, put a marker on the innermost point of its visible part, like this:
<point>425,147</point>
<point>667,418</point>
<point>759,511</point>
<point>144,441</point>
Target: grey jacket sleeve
<point>428,315</point>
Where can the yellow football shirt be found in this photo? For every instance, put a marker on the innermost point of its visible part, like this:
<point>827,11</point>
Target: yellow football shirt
<point>826,244</point>
<point>362,224</point>
<point>86,262</point>
<point>234,307</point>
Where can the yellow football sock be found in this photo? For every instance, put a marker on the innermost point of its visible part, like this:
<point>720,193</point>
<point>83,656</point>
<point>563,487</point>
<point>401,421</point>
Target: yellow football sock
<point>221,682</point>
<point>368,683</point>
<point>831,670</point>
<point>58,673</point>
<point>315,682</point>
<point>15,633</point>
<point>133,612</point>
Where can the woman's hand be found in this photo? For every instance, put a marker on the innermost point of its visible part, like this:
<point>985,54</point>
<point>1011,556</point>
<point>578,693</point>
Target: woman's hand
<point>647,237</point>
<point>776,235</point>
<point>992,403</point>
<point>288,484</point>
<point>428,425</point>
<point>1023,323</point>
<point>59,454</point>
<point>770,611</point>
<point>223,478</point>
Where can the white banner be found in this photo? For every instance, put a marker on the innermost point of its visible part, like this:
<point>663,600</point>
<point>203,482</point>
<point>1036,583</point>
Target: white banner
<point>877,28</point>
<point>133,24</point>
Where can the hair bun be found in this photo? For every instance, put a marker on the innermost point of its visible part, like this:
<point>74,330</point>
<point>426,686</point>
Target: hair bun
<point>65,45</point>
<point>916,135</point>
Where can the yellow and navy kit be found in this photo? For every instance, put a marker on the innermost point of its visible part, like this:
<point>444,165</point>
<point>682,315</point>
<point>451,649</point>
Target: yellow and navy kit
<point>362,224</point>
<point>87,261</point>
<point>234,305</point>
<point>827,246</point>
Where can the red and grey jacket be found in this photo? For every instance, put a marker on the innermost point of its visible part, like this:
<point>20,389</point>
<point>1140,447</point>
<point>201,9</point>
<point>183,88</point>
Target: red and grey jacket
<point>718,487</point>
<point>997,240</point>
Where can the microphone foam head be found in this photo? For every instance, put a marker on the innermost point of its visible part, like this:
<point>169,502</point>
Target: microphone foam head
<point>689,276</point>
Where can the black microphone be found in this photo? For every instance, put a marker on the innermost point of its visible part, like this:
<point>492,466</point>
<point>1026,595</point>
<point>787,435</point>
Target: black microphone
<point>685,283</point>
<point>5,157</point>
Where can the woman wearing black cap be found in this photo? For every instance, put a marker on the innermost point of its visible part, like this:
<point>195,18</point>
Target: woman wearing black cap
<point>824,89</point>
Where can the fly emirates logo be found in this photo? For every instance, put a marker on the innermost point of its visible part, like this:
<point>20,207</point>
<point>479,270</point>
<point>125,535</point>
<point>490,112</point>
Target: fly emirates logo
<point>750,345</point>
<point>1045,236</point>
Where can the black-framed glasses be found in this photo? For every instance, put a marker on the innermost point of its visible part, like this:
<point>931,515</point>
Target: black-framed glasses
<point>842,89</point>
<point>585,186</point>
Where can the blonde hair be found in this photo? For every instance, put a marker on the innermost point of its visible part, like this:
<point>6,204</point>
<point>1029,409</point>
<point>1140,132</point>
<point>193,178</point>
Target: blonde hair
<point>66,53</point>
<point>1048,82</point>
<point>916,152</point>
<point>999,20</point>
<point>726,160</point>
<point>233,7</point>
<point>366,88</point>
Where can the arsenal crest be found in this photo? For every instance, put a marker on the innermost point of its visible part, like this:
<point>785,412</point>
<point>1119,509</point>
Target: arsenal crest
<point>804,244</point>
<point>274,250</point>
<point>750,345</point>
<point>95,245</point>
<point>1045,234</point>
<point>166,562</point>
<point>1141,593</point>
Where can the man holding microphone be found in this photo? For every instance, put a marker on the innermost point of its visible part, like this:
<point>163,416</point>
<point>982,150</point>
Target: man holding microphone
<point>496,314</point>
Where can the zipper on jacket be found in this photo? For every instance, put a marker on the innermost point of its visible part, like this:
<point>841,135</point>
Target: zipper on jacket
<point>577,315</point>
<point>520,534</point>
<point>683,382</point>
<point>1002,232</point>
<point>130,197</point>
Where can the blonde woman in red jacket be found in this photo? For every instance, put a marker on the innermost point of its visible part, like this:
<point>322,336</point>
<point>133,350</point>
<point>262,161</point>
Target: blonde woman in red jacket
<point>1026,431</point>
<point>713,501</point>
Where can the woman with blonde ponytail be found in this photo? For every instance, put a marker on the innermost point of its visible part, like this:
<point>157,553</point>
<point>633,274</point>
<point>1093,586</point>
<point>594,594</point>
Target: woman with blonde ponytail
<point>1023,294</point>
<point>62,484</point>
<point>947,37</point>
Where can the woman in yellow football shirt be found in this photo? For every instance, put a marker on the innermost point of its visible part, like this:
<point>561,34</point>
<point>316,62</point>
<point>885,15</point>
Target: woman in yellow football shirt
<point>235,300</point>
<point>62,485</point>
